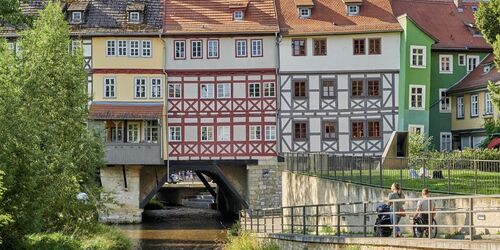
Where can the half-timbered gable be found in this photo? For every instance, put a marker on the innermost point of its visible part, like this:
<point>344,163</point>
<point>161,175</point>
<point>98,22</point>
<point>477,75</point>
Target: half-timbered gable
<point>338,77</point>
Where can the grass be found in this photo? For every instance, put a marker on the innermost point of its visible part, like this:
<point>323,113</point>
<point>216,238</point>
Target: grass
<point>247,241</point>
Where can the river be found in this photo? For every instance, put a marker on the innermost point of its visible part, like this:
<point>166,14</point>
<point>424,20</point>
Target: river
<point>179,228</point>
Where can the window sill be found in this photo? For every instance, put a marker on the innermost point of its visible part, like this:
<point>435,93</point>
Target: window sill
<point>417,109</point>
<point>445,111</point>
<point>446,72</point>
<point>417,67</point>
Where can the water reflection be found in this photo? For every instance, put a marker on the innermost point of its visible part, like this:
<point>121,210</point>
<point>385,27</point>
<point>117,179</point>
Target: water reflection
<point>179,228</point>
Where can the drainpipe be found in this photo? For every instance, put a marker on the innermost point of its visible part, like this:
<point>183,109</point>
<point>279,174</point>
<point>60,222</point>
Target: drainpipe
<point>279,38</point>
<point>165,99</point>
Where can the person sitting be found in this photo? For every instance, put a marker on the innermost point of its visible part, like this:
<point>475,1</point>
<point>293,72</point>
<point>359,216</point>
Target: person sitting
<point>423,172</point>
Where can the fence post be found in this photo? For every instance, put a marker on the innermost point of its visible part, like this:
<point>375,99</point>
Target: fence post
<point>272,220</point>
<point>317,220</point>
<point>282,220</point>
<point>265,222</point>
<point>381,166</point>
<point>251,220</point>
<point>449,176</point>
<point>364,219</point>
<point>291,214</point>
<point>258,221</point>
<point>370,169</point>
<point>401,175</point>
<point>475,176</point>
<point>471,220</point>
<point>338,219</point>
<point>304,227</point>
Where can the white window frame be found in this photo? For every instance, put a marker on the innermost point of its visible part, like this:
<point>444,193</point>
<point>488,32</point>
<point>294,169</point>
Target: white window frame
<point>74,18</point>
<point>110,47</point>
<point>474,105</point>
<point>151,130</point>
<point>412,129</point>
<point>209,132</point>
<point>177,90</point>
<point>352,10</point>
<point>424,56</point>
<point>134,16</point>
<point>209,93</point>
<point>118,128</point>
<point>134,48</point>
<point>180,49</point>
<point>445,146</point>
<point>254,90</point>
<point>488,104</point>
<point>223,133</point>
<point>196,49</point>
<point>469,68</point>
<point>174,133</point>
<point>223,90</point>
<point>255,132</point>
<point>140,87</point>
<point>111,83</point>
<point>146,48</point>
<point>460,107</point>
<point>464,61</point>
<point>270,132</point>
<point>238,15</point>
<point>212,48</point>
<point>136,137</point>
<point>156,87</point>
<point>450,64</point>
<point>271,88</point>
<point>443,108</point>
<point>241,48</point>
<point>304,12</point>
<point>122,47</point>
<point>410,97</point>
<point>257,46</point>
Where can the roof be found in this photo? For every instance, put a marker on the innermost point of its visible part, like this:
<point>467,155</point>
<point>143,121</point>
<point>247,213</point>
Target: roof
<point>495,143</point>
<point>215,16</point>
<point>135,6</point>
<point>104,111</point>
<point>442,21</point>
<point>477,79</point>
<point>78,6</point>
<point>330,17</point>
<point>304,2</point>
<point>353,1</point>
<point>238,4</point>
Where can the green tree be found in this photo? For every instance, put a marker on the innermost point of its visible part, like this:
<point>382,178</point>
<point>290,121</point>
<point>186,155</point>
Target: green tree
<point>418,145</point>
<point>46,151</point>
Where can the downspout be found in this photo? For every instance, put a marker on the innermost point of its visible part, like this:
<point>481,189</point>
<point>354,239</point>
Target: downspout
<point>278,91</point>
<point>165,100</point>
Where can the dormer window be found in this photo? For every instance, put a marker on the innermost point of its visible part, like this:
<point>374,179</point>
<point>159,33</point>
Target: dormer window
<point>238,15</point>
<point>135,12</point>
<point>76,11</point>
<point>134,16</point>
<point>76,17</point>
<point>474,8</point>
<point>352,10</point>
<point>304,12</point>
<point>486,69</point>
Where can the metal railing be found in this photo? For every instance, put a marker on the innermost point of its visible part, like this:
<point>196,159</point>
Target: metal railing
<point>450,176</point>
<point>468,216</point>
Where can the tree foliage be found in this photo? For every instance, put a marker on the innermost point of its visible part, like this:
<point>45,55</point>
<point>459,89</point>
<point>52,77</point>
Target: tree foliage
<point>46,151</point>
<point>488,21</point>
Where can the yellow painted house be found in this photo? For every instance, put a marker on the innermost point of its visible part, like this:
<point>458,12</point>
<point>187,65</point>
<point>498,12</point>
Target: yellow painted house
<point>472,105</point>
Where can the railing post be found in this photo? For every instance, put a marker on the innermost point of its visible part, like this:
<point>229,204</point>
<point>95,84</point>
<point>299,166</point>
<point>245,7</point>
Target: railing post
<point>272,220</point>
<point>282,220</point>
<point>401,175</point>
<point>338,219</point>
<point>429,218</point>
<point>258,221</point>
<point>449,175</point>
<point>317,220</point>
<point>304,227</point>
<point>364,219</point>
<point>265,222</point>
<point>291,216</point>
<point>370,169</point>
<point>393,221</point>
<point>471,219</point>
<point>251,220</point>
<point>381,167</point>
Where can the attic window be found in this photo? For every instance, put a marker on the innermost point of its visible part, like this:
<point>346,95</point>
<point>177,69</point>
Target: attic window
<point>304,12</point>
<point>238,15</point>
<point>76,17</point>
<point>134,16</point>
<point>353,10</point>
<point>486,69</point>
<point>474,8</point>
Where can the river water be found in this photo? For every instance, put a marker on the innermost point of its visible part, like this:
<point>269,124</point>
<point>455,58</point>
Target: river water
<point>179,228</point>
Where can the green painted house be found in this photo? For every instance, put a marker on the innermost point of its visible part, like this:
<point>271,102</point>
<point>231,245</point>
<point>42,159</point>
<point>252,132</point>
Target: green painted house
<point>439,45</point>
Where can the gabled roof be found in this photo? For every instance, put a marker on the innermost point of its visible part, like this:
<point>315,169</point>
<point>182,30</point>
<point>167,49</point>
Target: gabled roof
<point>330,17</point>
<point>215,17</point>
<point>442,20</point>
<point>78,6</point>
<point>477,79</point>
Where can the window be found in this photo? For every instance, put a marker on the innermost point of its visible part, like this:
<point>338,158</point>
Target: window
<point>254,90</point>
<point>446,64</point>
<point>461,60</point>
<point>140,88</point>
<point>115,131</point>
<point>146,48</point>
<point>110,48</point>
<point>224,90</point>
<point>156,87</point>
<point>357,88</point>
<point>207,133</point>
<point>213,48</point>
<point>255,133</point>
<point>238,15</point>
<point>134,16</point>
<point>444,102</point>
<point>328,88</point>
<point>174,90</point>
<point>109,87</point>
<point>299,89</point>
<point>133,132</point>
<point>196,49</point>
<point>373,129</point>
<point>134,48</point>
<point>300,131</point>
<point>76,17</point>
<point>358,130</point>
<point>488,104</point>
<point>460,107</point>
<point>122,48</point>
<point>256,48</point>
<point>75,45</point>
<point>416,129</point>
<point>353,10</point>
<point>12,46</point>
<point>373,87</point>
<point>417,97</point>
<point>241,48</point>
<point>474,105</point>
<point>151,131</point>
<point>359,46</point>
<point>270,132</point>
<point>304,12</point>
<point>269,89</point>
<point>472,62</point>
<point>223,133</point>
<point>319,47</point>
<point>207,91</point>
<point>174,133</point>
<point>299,47</point>
<point>329,130</point>
<point>445,141</point>
<point>418,57</point>
<point>374,46</point>
<point>180,50</point>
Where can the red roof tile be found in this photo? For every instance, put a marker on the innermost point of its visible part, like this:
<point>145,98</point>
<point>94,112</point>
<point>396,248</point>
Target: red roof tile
<point>495,143</point>
<point>477,78</point>
<point>330,17</point>
<point>215,16</point>
<point>125,111</point>
<point>442,20</point>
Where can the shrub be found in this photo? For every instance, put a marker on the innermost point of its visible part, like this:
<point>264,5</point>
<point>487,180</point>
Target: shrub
<point>154,204</point>
<point>106,238</point>
<point>246,241</point>
<point>234,230</point>
<point>53,241</point>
